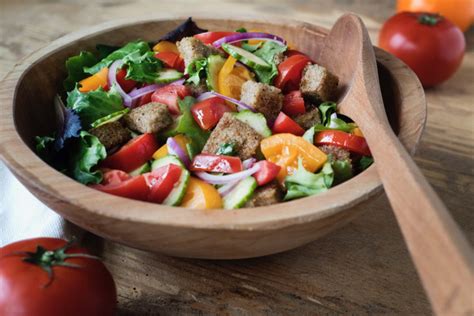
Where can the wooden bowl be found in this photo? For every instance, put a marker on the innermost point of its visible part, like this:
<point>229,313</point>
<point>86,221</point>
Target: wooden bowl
<point>26,110</point>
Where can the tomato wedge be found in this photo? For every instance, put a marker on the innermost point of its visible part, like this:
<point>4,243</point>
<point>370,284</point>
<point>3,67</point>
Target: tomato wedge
<point>171,60</point>
<point>284,124</point>
<point>267,172</point>
<point>351,142</point>
<point>289,72</point>
<point>216,163</point>
<point>211,37</point>
<point>207,113</point>
<point>161,182</point>
<point>133,154</point>
<point>169,96</point>
<point>133,188</point>
<point>293,103</point>
<point>126,84</point>
<point>114,176</point>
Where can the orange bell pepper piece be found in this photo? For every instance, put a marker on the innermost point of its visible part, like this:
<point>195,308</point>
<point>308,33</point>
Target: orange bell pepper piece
<point>285,150</point>
<point>201,195</point>
<point>163,150</point>
<point>95,81</point>
<point>165,46</point>
<point>356,131</point>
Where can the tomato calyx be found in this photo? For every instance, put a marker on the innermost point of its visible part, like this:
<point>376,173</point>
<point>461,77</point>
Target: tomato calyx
<point>430,19</point>
<point>47,259</point>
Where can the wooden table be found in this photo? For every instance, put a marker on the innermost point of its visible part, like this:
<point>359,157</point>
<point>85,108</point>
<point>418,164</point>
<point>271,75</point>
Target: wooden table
<point>364,268</point>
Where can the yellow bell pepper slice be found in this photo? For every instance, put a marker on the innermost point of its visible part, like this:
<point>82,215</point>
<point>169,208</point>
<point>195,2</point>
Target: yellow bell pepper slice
<point>356,131</point>
<point>231,78</point>
<point>201,195</point>
<point>163,150</point>
<point>165,46</point>
<point>286,149</point>
<point>95,81</point>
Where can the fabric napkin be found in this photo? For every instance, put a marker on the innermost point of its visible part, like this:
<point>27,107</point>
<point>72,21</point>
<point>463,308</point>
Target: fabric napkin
<point>23,216</point>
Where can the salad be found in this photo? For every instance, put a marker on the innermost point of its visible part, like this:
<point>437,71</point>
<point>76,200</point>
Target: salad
<point>199,119</point>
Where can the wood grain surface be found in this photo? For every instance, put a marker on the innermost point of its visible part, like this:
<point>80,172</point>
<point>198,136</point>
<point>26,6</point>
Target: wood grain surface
<point>363,268</point>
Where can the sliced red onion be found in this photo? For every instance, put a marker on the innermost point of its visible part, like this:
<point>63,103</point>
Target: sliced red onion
<point>247,36</point>
<point>215,179</point>
<point>175,149</point>
<point>112,76</point>
<point>226,188</point>
<point>204,96</point>
<point>142,91</point>
<point>248,163</point>
<point>178,82</point>
<point>240,105</point>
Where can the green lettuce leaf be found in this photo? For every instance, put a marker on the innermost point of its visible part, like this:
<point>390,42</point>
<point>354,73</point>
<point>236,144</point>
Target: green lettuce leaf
<point>142,67</point>
<point>75,69</point>
<point>94,105</point>
<point>185,124</point>
<point>196,70</point>
<point>105,50</point>
<point>138,46</point>
<point>304,183</point>
<point>365,162</point>
<point>85,154</point>
<point>267,52</point>
<point>342,170</point>
<point>326,109</point>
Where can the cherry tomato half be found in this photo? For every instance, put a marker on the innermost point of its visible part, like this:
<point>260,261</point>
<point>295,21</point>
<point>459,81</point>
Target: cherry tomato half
<point>134,188</point>
<point>207,113</point>
<point>290,71</point>
<point>351,142</point>
<point>211,37</point>
<point>284,124</point>
<point>169,96</point>
<point>171,60</point>
<point>161,182</point>
<point>267,172</point>
<point>430,45</point>
<point>293,103</point>
<point>216,163</point>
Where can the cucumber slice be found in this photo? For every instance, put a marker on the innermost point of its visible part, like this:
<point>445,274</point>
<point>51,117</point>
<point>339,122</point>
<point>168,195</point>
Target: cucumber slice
<point>168,75</point>
<point>246,58</point>
<point>256,121</point>
<point>214,65</point>
<point>142,169</point>
<point>110,118</point>
<point>240,194</point>
<point>166,160</point>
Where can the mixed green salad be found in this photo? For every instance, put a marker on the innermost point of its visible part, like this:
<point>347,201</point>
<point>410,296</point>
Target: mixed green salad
<point>199,119</point>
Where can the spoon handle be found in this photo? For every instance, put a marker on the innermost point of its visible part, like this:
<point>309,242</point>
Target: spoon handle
<point>442,255</point>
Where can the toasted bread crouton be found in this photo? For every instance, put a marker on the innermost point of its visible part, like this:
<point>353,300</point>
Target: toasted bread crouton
<point>231,130</point>
<point>318,84</point>
<point>111,134</point>
<point>271,193</point>
<point>337,152</point>
<point>197,90</point>
<point>279,58</point>
<point>149,118</point>
<point>190,48</point>
<point>308,119</point>
<point>264,98</point>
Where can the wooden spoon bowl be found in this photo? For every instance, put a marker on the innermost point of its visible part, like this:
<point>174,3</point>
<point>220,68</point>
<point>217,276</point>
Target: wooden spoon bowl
<point>26,110</point>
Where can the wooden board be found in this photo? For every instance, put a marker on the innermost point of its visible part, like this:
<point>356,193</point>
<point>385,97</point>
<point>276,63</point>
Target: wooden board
<point>363,268</point>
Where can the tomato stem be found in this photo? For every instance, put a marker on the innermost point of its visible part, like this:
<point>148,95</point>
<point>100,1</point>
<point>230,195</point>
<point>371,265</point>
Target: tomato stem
<point>430,19</point>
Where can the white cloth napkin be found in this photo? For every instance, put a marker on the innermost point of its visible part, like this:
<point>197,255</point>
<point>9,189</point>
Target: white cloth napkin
<point>23,216</point>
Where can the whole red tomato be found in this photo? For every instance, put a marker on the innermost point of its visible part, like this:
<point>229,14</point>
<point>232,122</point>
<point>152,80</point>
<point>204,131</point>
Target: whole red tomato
<point>76,284</point>
<point>429,44</point>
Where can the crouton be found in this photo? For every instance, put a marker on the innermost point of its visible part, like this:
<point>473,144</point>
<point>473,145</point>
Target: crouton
<point>308,119</point>
<point>111,134</point>
<point>191,48</point>
<point>197,90</point>
<point>271,193</point>
<point>231,130</point>
<point>337,152</point>
<point>264,98</point>
<point>149,118</point>
<point>279,58</point>
<point>318,84</point>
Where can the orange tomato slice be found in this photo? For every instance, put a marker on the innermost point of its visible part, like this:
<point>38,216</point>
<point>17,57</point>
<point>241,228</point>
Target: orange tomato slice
<point>201,195</point>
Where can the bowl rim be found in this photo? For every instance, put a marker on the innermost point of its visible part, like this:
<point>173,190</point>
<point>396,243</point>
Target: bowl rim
<point>74,197</point>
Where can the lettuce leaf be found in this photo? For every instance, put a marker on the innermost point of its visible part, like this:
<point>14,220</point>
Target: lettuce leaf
<point>138,46</point>
<point>326,109</point>
<point>142,67</point>
<point>93,105</point>
<point>75,69</point>
<point>267,52</point>
<point>342,170</point>
<point>304,183</point>
<point>187,28</point>
<point>196,70</point>
<point>85,154</point>
<point>105,50</point>
<point>365,162</point>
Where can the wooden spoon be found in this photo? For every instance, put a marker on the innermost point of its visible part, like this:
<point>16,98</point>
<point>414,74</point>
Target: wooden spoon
<point>442,256</point>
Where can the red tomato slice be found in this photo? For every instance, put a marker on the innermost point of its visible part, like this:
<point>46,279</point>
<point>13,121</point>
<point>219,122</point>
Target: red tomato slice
<point>171,60</point>
<point>293,104</point>
<point>114,176</point>
<point>133,188</point>
<point>267,172</point>
<point>169,96</point>
<point>144,99</point>
<point>284,124</point>
<point>345,140</point>
<point>216,163</point>
<point>289,72</point>
<point>161,182</point>
<point>211,37</point>
<point>126,84</point>
<point>133,154</point>
<point>207,113</point>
